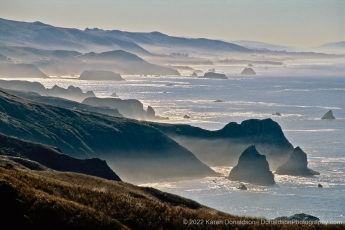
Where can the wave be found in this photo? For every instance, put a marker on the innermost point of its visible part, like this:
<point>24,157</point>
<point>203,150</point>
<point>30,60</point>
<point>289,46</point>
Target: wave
<point>310,130</point>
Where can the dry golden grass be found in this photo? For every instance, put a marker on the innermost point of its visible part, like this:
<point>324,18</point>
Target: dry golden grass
<point>60,200</point>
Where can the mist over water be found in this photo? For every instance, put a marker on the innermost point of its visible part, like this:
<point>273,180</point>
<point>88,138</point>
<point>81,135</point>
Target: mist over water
<point>301,100</point>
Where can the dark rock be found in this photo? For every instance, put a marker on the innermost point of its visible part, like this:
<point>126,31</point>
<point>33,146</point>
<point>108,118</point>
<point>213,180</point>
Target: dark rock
<point>114,95</point>
<point>250,64</point>
<point>186,116</point>
<point>276,114</point>
<point>223,147</point>
<point>100,75</point>
<point>328,115</point>
<point>248,71</point>
<point>252,167</point>
<point>219,101</point>
<point>296,165</point>
<point>299,217</point>
<point>194,74</point>
<point>214,75</point>
<point>242,187</point>
<point>319,186</point>
<point>150,113</point>
<point>213,70</point>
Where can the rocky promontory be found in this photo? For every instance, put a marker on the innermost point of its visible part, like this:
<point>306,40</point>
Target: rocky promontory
<point>296,165</point>
<point>252,167</point>
<point>248,71</point>
<point>328,116</point>
<point>299,217</point>
<point>212,75</point>
<point>52,157</point>
<point>100,75</point>
<point>12,70</point>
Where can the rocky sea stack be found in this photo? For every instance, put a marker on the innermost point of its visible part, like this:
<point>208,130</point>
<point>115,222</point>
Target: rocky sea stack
<point>296,165</point>
<point>248,71</point>
<point>328,116</point>
<point>100,75</point>
<point>252,167</point>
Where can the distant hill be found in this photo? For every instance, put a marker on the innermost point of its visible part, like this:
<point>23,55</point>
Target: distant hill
<point>63,62</point>
<point>44,36</point>
<point>333,47</point>
<point>11,70</point>
<point>264,46</point>
<point>135,150</point>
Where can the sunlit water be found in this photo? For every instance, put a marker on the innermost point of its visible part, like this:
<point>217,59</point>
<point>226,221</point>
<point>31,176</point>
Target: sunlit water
<point>302,101</point>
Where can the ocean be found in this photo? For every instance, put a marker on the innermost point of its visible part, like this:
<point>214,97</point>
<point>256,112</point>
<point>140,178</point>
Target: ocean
<point>303,93</point>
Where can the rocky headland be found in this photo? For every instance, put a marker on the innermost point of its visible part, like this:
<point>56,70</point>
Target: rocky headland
<point>21,151</point>
<point>224,146</point>
<point>134,149</point>
<point>252,167</point>
<point>12,70</point>
<point>296,165</point>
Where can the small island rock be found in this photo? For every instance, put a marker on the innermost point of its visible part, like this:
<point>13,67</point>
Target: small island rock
<point>214,75</point>
<point>248,71</point>
<point>296,165</point>
<point>100,75</point>
<point>150,113</point>
<point>252,167</point>
<point>299,217</point>
<point>186,116</point>
<point>114,95</point>
<point>328,116</point>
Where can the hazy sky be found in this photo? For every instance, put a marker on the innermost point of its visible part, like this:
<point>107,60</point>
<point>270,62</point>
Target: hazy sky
<point>299,23</point>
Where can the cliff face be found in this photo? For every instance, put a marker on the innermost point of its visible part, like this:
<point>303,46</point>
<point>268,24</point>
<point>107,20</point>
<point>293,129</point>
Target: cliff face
<point>224,146</point>
<point>136,151</point>
<point>296,165</point>
<point>129,108</point>
<point>252,167</point>
<point>53,158</point>
<point>100,75</point>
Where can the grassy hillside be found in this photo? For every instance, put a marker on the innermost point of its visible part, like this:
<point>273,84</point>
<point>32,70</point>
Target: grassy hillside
<point>56,200</point>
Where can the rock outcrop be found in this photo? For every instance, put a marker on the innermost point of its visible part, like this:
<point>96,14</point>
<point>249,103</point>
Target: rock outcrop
<point>296,165</point>
<point>224,146</point>
<point>248,71</point>
<point>252,167</point>
<point>212,75</point>
<point>22,152</point>
<point>328,116</point>
<point>299,217</point>
<point>137,151</point>
<point>150,113</point>
<point>194,74</point>
<point>100,75</point>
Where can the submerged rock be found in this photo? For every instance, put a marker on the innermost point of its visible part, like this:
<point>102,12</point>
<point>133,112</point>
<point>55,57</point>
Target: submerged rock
<point>296,165</point>
<point>242,187</point>
<point>248,71</point>
<point>214,75</point>
<point>328,115</point>
<point>252,167</point>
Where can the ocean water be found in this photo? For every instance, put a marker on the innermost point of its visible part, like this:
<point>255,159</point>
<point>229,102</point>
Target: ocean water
<point>302,100</point>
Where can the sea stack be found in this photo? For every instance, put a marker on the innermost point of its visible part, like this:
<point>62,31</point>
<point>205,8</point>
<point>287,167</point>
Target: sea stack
<point>100,75</point>
<point>212,75</point>
<point>328,116</point>
<point>296,165</point>
<point>194,74</point>
<point>248,71</point>
<point>150,113</point>
<point>252,167</point>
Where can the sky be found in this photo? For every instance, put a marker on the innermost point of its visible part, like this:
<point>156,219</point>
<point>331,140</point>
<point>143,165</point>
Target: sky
<point>300,23</point>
